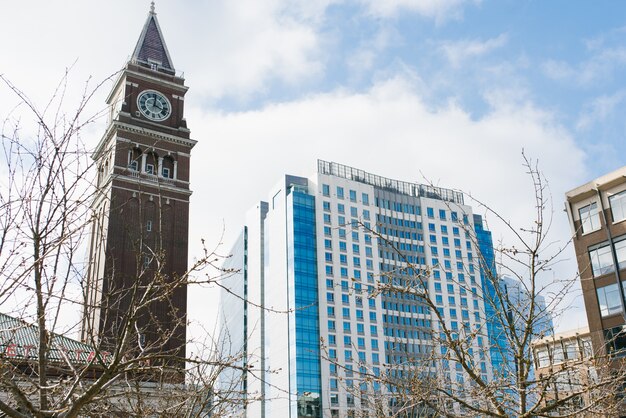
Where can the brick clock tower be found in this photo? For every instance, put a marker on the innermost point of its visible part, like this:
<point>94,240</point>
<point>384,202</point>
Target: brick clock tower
<point>140,237</point>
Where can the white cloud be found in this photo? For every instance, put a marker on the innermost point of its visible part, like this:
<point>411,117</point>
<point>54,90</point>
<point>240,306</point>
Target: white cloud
<point>600,109</point>
<point>458,52</point>
<point>600,65</point>
<point>247,44</point>
<point>386,130</point>
<point>364,56</point>
<point>440,10</point>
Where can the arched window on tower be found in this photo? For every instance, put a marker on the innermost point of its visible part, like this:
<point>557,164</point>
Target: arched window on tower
<point>151,163</point>
<point>100,174</point>
<point>134,159</point>
<point>167,171</point>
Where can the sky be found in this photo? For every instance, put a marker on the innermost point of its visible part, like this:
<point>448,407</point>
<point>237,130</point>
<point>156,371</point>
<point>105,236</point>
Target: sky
<point>447,91</point>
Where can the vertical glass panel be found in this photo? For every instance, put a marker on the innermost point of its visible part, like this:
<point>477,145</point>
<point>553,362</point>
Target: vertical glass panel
<point>601,260</point>
<point>618,206</point>
<point>620,252</point>
<point>608,300</point>
<point>589,217</point>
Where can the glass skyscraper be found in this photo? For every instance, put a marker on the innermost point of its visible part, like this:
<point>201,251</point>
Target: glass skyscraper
<point>316,314</point>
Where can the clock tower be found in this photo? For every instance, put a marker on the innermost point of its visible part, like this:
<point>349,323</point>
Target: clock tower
<point>139,239</point>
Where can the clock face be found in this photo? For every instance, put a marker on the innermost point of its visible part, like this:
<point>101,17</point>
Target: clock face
<point>154,105</point>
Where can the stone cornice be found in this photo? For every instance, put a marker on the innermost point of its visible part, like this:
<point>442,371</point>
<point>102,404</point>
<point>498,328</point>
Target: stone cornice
<point>125,127</point>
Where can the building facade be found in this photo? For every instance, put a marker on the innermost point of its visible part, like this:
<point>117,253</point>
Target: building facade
<point>317,324</point>
<point>597,211</point>
<point>568,358</point>
<point>142,202</point>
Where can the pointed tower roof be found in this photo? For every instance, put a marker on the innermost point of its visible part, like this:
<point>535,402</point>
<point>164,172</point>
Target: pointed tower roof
<point>151,49</point>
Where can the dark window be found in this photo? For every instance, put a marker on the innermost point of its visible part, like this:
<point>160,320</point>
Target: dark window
<point>615,340</point>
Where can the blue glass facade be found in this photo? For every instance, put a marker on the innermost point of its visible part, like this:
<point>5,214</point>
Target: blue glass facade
<point>309,385</point>
<point>488,276</point>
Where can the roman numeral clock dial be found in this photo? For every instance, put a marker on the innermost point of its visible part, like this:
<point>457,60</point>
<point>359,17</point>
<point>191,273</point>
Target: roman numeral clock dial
<point>154,105</point>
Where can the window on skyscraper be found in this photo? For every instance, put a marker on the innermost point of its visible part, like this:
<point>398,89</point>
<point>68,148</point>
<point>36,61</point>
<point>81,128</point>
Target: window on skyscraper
<point>353,195</point>
<point>442,214</point>
<point>430,212</point>
<point>589,217</point>
<point>339,192</point>
<point>618,206</point>
<point>365,198</point>
<point>325,189</point>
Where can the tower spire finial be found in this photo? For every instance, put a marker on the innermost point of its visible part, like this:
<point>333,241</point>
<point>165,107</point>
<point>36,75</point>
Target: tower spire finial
<point>152,8</point>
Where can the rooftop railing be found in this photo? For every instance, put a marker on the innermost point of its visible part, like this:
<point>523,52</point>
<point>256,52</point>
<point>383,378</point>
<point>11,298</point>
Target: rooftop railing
<point>403,187</point>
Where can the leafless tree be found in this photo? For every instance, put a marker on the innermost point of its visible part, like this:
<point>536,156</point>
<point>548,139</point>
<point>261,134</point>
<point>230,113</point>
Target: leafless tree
<point>46,191</point>
<point>450,378</point>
